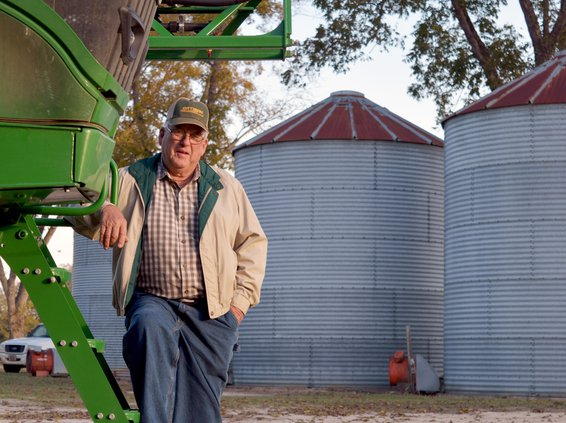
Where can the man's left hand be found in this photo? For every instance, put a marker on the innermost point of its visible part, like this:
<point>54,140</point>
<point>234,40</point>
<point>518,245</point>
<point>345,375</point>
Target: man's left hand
<point>238,313</point>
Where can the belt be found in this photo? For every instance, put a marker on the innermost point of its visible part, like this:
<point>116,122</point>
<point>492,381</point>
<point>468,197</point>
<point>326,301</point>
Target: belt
<point>195,302</point>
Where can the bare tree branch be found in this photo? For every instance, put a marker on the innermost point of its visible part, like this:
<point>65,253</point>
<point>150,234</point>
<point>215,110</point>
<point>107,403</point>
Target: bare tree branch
<point>479,49</point>
<point>545,6</point>
<point>21,297</point>
<point>3,278</point>
<point>557,34</point>
<point>534,31</point>
<point>261,119</point>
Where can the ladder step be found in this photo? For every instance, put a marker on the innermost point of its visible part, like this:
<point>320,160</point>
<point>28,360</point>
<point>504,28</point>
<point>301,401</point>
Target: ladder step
<point>97,344</point>
<point>63,275</point>
<point>133,415</point>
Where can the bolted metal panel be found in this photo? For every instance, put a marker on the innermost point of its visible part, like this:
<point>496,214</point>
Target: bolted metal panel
<point>507,357</point>
<point>92,290</point>
<point>506,251</point>
<point>355,254</point>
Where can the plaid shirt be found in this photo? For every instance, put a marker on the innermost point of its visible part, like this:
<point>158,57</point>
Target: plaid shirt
<point>170,264</point>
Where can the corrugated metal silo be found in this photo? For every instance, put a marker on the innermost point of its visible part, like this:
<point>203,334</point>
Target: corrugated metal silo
<point>92,290</point>
<point>351,198</point>
<point>505,290</point>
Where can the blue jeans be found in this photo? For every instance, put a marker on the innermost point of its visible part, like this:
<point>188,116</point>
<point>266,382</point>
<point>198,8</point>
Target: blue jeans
<point>178,359</point>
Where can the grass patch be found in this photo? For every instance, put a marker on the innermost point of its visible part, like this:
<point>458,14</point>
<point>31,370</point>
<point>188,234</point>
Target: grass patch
<point>46,391</point>
<point>320,402</point>
<point>59,392</point>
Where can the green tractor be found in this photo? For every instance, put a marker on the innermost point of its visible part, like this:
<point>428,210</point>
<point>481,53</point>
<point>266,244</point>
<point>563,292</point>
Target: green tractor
<point>67,67</point>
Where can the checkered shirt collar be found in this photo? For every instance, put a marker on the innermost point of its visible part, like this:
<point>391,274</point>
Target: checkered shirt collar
<point>162,171</point>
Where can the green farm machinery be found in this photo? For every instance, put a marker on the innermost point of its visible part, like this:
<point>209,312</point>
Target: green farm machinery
<point>66,69</point>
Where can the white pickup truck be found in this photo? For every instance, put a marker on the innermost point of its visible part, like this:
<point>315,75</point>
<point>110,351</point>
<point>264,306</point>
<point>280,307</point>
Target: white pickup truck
<point>13,352</point>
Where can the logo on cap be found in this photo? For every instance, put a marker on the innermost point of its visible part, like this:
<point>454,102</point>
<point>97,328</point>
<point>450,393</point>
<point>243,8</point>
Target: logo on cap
<point>194,110</point>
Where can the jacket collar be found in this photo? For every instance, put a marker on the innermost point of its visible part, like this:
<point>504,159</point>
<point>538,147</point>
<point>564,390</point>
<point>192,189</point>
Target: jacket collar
<point>145,173</point>
<point>210,176</point>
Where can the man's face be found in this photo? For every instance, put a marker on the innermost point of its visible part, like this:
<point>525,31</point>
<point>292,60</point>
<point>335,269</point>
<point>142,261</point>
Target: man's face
<point>182,147</point>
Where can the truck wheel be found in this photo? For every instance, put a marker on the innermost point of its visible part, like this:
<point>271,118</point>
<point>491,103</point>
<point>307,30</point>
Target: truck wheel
<point>12,368</point>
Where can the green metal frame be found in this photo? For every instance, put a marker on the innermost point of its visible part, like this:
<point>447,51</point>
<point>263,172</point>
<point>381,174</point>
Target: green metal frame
<point>82,148</point>
<point>52,161</point>
<point>22,247</point>
<point>218,40</point>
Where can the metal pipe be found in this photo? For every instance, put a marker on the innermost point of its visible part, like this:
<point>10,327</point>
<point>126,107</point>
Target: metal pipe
<point>44,221</point>
<point>81,211</point>
<point>69,211</point>
<point>115,180</point>
<point>411,359</point>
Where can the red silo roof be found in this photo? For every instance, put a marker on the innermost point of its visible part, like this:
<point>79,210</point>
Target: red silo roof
<point>345,115</point>
<point>546,84</point>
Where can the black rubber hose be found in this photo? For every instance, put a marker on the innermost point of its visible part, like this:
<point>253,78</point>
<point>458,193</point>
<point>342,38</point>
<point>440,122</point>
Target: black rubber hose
<point>187,27</point>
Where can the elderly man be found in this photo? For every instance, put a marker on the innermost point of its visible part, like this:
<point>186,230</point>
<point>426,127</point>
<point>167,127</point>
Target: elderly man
<point>189,260</point>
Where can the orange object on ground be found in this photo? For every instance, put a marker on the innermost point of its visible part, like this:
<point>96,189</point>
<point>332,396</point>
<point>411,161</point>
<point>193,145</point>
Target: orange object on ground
<point>398,368</point>
<point>39,363</point>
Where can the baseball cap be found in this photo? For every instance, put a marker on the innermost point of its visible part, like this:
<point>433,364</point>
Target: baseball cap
<point>185,111</point>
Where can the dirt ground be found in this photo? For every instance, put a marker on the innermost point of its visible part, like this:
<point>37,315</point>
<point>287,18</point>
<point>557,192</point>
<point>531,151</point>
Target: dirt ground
<point>486,417</point>
<point>24,399</point>
<point>17,411</point>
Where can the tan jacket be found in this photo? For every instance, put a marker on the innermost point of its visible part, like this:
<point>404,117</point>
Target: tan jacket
<point>233,247</point>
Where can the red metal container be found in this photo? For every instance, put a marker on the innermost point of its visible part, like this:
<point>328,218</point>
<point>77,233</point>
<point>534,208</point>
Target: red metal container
<point>39,363</point>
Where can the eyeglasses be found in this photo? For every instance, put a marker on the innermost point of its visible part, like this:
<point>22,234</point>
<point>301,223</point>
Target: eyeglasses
<point>196,136</point>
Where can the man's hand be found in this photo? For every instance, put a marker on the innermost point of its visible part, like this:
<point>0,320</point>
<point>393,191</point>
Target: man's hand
<point>238,313</point>
<point>113,227</point>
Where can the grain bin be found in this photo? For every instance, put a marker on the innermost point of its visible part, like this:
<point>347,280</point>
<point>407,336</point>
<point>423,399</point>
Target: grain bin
<point>92,290</point>
<point>505,290</point>
<point>351,198</point>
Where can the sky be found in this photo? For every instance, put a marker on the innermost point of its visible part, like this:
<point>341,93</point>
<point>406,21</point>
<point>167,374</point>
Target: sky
<point>383,79</point>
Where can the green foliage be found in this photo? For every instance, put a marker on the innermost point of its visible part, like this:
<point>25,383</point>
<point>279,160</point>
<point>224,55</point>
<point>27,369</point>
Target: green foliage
<point>444,65</point>
<point>350,28</point>
<point>457,51</point>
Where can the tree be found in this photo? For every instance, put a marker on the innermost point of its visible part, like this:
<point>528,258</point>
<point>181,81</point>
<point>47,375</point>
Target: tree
<point>226,87</point>
<point>17,314</point>
<point>458,49</point>
<point>237,108</point>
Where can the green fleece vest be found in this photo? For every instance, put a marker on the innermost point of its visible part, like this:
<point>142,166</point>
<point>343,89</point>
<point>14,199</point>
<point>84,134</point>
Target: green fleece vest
<point>145,174</point>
